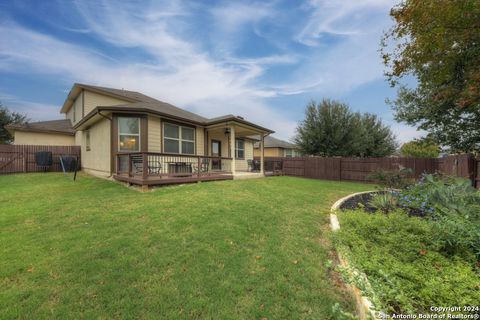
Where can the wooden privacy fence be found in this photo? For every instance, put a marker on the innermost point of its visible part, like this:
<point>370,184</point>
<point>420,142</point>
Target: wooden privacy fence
<point>21,158</point>
<point>360,169</point>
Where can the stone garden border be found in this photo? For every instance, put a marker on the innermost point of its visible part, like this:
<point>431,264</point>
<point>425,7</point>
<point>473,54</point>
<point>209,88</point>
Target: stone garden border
<point>365,307</point>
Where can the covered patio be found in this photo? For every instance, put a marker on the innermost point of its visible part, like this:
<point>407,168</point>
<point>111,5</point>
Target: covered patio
<point>227,155</point>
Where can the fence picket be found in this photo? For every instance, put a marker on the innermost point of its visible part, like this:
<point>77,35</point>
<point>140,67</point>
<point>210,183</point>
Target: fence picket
<point>21,158</point>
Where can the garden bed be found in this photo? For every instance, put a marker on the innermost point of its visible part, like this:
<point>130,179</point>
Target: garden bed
<point>413,263</point>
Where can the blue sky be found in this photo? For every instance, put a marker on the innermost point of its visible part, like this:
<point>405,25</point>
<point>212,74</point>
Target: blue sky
<point>261,60</point>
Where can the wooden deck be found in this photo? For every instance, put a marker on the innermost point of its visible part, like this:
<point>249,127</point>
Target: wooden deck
<point>166,180</point>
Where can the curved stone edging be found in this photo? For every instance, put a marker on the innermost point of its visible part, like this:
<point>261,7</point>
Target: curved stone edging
<point>364,305</point>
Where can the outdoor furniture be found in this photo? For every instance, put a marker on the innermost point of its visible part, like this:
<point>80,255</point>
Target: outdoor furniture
<point>43,159</point>
<point>256,165</point>
<point>250,165</point>
<point>179,168</point>
<point>153,167</point>
<point>204,164</point>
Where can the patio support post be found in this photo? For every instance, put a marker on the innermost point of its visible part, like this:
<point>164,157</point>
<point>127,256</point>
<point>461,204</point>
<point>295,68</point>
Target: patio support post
<point>232,148</point>
<point>261,154</point>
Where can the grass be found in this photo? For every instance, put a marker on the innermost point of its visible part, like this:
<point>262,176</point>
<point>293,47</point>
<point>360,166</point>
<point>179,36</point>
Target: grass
<point>92,248</point>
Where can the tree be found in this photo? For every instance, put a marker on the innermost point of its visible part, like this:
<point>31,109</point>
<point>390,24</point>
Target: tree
<point>438,43</point>
<point>330,129</point>
<point>420,148</point>
<point>9,117</point>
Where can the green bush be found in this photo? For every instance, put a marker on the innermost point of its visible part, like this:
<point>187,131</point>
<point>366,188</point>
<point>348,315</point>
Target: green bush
<point>453,205</point>
<point>400,257</point>
<point>385,202</point>
<point>392,179</point>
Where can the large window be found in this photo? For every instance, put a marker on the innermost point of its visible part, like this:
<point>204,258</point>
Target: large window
<point>178,139</point>
<point>239,149</point>
<point>128,134</point>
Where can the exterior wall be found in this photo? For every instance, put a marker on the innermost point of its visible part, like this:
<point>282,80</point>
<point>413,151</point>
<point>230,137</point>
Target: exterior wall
<point>154,134</point>
<point>242,165</point>
<point>93,100</point>
<point>74,114</point>
<point>97,161</point>
<point>200,141</point>
<point>45,139</point>
<point>269,152</point>
<point>223,140</point>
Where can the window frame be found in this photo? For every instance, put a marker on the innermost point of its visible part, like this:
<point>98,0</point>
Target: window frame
<point>139,135</point>
<point>286,155</point>
<point>237,149</point>
<point>180,138</point>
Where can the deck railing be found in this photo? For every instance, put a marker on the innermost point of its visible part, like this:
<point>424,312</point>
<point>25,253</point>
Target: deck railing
<point>152,164</point>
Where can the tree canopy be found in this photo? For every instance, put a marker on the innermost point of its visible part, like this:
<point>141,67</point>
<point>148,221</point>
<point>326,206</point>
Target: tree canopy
<point>420,148</point>
<point>437,42</point>
<point>330,128</point>
<point>9,117</point>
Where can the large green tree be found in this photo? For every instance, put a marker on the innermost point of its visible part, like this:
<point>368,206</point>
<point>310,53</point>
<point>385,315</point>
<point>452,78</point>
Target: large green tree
<point>9,117</point>
<point>330,129</point>
<point>420,148</point>
<point>437,42</point>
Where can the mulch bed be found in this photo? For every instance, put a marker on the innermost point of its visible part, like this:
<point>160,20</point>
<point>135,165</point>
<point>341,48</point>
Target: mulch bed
<point>362,201</point>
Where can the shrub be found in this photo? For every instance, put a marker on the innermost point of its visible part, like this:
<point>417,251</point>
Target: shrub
<point>454,207</point>
<point>385,202</point>
<point>394,179</point>
<point>400,257</point>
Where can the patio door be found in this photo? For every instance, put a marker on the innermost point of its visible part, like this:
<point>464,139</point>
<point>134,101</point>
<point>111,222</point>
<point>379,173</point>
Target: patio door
<point>216,151</point>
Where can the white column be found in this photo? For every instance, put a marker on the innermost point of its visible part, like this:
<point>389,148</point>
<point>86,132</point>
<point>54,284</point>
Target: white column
<point>232,148</point>
<point>261,154</point>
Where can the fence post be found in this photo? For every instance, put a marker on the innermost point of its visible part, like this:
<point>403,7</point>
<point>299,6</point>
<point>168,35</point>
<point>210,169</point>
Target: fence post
<point>145,166</point>
<point>340,168</point>
<point>24,159</point>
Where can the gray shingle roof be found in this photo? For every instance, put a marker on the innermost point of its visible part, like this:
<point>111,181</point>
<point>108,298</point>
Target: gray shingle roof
<point>63,126</point>
<point>144,103</point>
<point>271,142</point>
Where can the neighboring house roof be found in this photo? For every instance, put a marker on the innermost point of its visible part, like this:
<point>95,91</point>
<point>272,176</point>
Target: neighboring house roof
<point>271,142</point>
<point>54,126</point>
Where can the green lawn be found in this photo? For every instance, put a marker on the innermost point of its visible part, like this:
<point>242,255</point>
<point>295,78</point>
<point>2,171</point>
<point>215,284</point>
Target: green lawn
<point>92,248</point>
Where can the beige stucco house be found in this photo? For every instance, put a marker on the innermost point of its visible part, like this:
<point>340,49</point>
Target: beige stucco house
<point>135,138</point>
<point>275,148</point>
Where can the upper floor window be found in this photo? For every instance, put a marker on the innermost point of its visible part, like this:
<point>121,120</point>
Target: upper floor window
<point>239,149</point>
<point>128,134</point>
<point>178,139</point>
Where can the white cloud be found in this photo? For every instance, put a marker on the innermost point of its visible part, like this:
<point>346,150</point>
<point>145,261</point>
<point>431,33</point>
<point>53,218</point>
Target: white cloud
<point>35,111</point>
<point>177,68</point>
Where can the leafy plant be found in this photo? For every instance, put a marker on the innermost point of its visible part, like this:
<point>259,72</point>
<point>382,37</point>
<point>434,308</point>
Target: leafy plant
<point>420,148</point>
<point>401,259</point>
<point>392,179</point>
<point>385,202</point>
<point>453,205</point>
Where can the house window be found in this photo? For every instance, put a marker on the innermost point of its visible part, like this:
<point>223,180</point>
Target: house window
<point>239,149</point>
<point>288,153</point>
<point>178,139</point>
<point>129,134</point>
<point>87,140</point>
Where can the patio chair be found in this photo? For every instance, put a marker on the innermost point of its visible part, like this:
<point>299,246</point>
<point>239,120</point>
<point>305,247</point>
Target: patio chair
<point>137,164</point>
<point>251,165</point>
<point>204,164</point>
